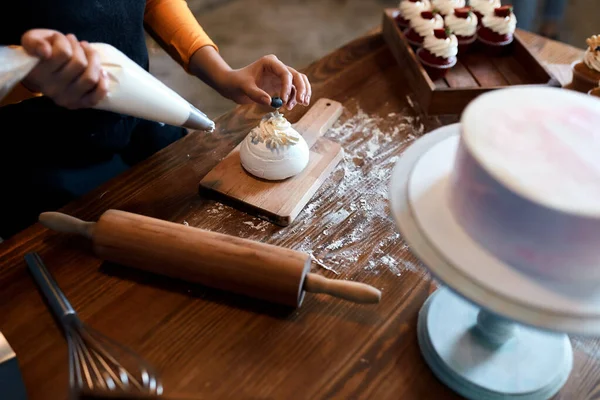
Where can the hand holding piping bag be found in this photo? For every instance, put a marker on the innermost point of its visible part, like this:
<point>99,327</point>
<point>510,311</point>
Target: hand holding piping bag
<point>69,73</point>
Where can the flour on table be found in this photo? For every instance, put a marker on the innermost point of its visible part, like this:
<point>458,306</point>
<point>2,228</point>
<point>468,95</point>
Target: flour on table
<point>352,206</point>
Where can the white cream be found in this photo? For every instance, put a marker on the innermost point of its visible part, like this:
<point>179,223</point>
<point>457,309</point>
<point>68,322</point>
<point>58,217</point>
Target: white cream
<point>592,59</point>
<point>447,7</point>
<point>484,7</point>
<point>425,27</point>
<point>500,25</point>
<point>274,150</point>
<point>410,10</point>
<point>445,48</point>
<point>462,26</point>
<point>131,89</point>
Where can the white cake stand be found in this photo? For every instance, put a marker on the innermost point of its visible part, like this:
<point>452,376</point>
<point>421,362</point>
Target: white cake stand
<point>492,332</point>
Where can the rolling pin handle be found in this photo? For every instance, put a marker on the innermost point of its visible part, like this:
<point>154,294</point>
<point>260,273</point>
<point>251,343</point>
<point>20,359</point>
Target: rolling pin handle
<point>351,291</point>
<point>67,224</point>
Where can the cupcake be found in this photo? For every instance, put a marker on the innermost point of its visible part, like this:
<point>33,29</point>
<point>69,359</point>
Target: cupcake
<point>463,23</point>
<point>497,29</point>
<point>410,9</point>
<point>484,7</point>
<point>446,7</point>
<point>586,74</point>
<point>423,26</point>
<point>438,53</point>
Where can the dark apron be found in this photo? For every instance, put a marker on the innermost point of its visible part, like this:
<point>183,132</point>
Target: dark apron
<point>50,155</point>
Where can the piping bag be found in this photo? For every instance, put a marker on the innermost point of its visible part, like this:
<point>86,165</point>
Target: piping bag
<point>131,90</point>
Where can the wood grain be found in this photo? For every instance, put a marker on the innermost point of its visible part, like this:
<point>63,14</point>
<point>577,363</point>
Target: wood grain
<point>212,345</point>
<point>280,202</point>
<point>475,73</point>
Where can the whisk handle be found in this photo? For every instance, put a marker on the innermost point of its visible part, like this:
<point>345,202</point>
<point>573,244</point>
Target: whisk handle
<point>57,301</point>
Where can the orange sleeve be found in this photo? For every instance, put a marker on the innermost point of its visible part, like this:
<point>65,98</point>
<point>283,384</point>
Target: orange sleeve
<point>172,24</point>
<point>18,94</point>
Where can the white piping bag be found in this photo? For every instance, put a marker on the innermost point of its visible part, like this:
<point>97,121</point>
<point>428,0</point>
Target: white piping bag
<point>131,89</point>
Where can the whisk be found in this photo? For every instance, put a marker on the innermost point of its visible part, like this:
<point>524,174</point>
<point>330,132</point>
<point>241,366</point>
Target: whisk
<point>97,364</point>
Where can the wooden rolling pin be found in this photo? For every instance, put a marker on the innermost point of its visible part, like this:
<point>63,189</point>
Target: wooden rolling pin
<point>212,259</point>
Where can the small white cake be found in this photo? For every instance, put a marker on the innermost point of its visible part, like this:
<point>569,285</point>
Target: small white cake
<point>274,150</point>
<point>526,182</point>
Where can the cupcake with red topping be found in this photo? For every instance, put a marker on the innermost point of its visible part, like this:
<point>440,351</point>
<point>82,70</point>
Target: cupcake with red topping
<point>463,23</point>
<point>484,7</point>
<point>422,27</point>
<point>409,9</point>
<point>586,73</point>
<point>497,29</point>
<point>438,53</point>
<point>446,7</point>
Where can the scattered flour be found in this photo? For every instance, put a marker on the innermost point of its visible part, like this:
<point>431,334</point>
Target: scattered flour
<point>589,346</point>
<point>352,207</point>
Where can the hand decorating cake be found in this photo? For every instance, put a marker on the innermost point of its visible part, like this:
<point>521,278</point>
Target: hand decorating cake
<point>526,181</point>
<point>484,7</point>
<point>423,26</point>
<point>586,74</point>
<point>274,150</point>
<point>438,53</point>
<point>410,9</point>
<point>463,23</point>
<point>446,7</point>
<point>497,29</point>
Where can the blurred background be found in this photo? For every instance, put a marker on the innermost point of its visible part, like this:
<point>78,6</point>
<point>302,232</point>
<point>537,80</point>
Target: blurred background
<point>301,31</point>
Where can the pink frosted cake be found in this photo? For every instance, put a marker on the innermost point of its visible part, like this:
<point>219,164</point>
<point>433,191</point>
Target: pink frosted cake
<point>526,182</point>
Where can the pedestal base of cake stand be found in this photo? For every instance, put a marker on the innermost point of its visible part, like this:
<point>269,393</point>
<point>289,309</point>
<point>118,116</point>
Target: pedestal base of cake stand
<point>482,356</point>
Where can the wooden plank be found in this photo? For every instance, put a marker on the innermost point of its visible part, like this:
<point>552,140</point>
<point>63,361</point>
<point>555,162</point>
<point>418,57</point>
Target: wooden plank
<point>530,63</point>
<point>483,70</point>
<point>418,79</point>
<point>459,77</point>
<point>280,202</point>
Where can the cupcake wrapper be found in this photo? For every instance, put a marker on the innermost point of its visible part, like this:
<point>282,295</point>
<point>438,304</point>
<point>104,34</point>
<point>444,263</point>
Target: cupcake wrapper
<point>445,66</point>
<point>472,40</point>
<point>499,44</point>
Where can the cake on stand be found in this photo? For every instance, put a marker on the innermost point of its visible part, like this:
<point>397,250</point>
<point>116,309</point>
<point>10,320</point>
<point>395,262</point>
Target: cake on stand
<point>496,331</point>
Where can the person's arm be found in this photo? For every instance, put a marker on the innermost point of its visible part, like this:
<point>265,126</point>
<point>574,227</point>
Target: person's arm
<point>17,95</point>
<point>174,27</point>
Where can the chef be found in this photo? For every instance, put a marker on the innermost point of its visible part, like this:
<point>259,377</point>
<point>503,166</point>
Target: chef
<point>53,147</point>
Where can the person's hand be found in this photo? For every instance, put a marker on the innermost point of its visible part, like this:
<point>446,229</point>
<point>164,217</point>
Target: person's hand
<point>69,71</point>
<point>262,79</point>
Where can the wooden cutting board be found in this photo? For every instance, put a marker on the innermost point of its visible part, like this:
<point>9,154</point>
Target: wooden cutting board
<point>280,202</point>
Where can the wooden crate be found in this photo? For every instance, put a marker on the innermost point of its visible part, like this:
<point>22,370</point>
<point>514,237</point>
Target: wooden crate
<point>474,74</point>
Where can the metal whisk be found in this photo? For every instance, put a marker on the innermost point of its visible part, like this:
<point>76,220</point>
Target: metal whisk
<point>97,364</point>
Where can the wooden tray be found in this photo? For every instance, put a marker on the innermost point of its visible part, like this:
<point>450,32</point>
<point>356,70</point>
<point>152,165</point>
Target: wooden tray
<point>474,74</point>
<point>280,202</point>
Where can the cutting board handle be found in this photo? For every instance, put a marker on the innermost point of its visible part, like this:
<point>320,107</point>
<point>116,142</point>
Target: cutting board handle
<point>318,119</point>
<point>67,224</point>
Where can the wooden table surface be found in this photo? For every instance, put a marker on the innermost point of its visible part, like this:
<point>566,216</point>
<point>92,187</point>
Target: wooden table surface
<point>210,344</point>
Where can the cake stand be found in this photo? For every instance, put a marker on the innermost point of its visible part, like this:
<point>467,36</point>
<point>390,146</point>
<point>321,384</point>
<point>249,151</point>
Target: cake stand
<point>491,332</point>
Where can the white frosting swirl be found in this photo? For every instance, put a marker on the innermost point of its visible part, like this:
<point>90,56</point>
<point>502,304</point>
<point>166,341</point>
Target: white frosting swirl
<point>425,27</point>
<point>592,59</point>
<point>275,131</point>
<point>484,7</point>
<point>445,48</point>
<point>410,10</point>
<point>274,150</point>
<point>447,7</point>
<point>500,25</point>
<point>462,26</point>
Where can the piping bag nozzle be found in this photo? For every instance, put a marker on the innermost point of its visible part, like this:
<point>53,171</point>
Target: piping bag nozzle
<point>199,121</point>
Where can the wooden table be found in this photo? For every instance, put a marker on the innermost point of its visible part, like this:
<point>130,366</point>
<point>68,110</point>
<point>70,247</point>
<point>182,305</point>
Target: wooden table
<point>213,345</point>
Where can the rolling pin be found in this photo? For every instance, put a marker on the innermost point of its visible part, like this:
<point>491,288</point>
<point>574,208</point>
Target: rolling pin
<point>242,266</point>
